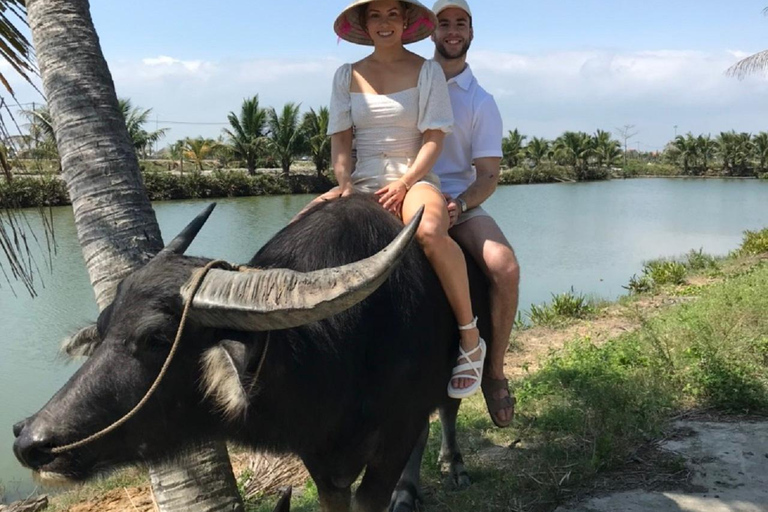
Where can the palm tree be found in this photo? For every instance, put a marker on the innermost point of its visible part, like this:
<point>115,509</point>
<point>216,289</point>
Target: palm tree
<point>16,49</point>
<point>752,64</point>
<point>706,149</point>
<point>760,145</point>
<point>512,148</point>
<point>199,149</point>
<point>575,148</point>
<point>315,127</point>
<point>115,222</point>
<point>42,139</point>
<point>605,149</point>
<point>286,138</point>
<point>247,135</point>
<point>135,119</point>
<point>537,150</point>
<point>686,150</point>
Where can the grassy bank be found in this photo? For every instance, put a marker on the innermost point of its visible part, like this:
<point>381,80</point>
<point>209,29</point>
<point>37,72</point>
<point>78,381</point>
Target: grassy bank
<point>598,384</point>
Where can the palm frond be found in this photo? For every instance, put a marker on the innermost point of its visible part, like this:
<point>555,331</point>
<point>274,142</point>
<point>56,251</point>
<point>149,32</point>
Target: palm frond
<point>753,64</point>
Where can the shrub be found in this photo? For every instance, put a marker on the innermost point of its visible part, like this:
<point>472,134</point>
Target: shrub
<point>755,242</point>
<point>665,272</point>
<point>566,305</point>
<point>27,192</point>
<point>699,260</point>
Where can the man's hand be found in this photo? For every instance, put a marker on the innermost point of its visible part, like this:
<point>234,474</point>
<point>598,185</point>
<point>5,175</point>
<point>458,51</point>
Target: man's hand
<point>454,210</point>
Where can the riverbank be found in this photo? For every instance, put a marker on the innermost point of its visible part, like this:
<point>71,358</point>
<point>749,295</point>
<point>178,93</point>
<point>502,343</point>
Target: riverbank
<point>596,393</point>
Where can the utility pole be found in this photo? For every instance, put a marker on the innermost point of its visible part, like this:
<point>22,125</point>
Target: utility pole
<point>675,127</point>
<point>627,133</point>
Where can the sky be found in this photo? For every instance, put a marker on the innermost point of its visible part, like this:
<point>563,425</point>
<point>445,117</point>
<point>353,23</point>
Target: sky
<point>552,65</point>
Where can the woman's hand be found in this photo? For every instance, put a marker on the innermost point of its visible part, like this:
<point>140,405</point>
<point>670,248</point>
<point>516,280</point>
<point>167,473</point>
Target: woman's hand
<point>391,196</point>
<point>346,190</point>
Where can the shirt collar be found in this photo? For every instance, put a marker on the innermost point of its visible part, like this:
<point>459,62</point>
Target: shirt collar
<point>463,79</point>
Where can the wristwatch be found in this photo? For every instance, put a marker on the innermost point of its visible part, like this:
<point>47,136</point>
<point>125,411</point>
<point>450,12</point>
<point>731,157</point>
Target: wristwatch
<point>462,204</point>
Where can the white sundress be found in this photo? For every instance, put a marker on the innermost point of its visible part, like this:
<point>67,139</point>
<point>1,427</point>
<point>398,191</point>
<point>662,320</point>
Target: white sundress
<point>389,128</point>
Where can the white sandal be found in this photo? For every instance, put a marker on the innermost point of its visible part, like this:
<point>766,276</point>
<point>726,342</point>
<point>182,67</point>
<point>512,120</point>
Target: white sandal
<point>475,366</point>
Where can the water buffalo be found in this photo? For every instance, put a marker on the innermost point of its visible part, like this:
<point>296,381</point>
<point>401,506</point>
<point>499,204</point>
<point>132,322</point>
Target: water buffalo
<point>284,359</point>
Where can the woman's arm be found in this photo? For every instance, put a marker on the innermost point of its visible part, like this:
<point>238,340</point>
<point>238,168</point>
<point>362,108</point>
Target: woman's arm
<point>341,160</point>
<point>391,196</point>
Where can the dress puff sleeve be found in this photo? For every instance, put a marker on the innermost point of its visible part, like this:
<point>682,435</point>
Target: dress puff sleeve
<point>340,111</point>
<point>435,111</point>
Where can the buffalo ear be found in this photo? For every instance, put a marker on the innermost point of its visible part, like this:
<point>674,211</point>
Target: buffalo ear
<point>83,343</point>
<point>226,377</point>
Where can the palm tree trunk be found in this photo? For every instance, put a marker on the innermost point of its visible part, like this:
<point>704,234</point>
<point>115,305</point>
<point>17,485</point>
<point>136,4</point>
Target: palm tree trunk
<point>116,225</point>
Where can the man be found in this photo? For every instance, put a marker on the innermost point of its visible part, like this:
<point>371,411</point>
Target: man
<point>476,140</point>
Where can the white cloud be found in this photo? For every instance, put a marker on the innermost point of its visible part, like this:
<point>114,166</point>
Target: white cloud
<point>542,94</point>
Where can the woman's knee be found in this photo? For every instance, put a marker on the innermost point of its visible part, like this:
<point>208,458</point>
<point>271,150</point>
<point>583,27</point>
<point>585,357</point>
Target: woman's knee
<point>431,235</point>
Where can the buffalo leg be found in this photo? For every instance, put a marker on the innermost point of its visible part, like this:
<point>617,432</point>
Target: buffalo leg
<point>451,461</point>
<point>332,497</point>
<point>385,468</point>
<point>408,491</point>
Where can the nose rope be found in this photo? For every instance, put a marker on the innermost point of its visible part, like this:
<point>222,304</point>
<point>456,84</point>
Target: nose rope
<point>101,433</point>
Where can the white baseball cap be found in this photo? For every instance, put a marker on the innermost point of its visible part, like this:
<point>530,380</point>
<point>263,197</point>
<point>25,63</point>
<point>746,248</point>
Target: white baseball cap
<point>442,5</point>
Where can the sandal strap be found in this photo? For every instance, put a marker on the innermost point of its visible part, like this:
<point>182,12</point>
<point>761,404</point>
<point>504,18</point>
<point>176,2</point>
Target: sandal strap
<point>470,325</point>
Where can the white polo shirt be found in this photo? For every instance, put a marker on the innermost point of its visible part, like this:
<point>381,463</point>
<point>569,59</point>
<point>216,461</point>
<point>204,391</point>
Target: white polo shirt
<point>477,133</point>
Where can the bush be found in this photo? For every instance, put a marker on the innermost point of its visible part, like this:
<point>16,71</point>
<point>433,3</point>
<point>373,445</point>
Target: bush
<point>755,242</point>
<point>638,168</point>
<point>699,260</point>
<point>567,305</point>
<point>545,172</point>
<point>27,192</point>
<point>665,272</point>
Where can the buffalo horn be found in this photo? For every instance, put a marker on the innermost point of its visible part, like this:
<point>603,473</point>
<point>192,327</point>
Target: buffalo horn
<point>262,300</point>
<point>183,240</point>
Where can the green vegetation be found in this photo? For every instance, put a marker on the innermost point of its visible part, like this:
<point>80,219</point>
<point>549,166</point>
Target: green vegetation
<point>755,242</point>
<point>563,307</point>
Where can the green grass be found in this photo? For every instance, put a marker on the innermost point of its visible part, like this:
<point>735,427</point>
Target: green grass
<point>755,242</point>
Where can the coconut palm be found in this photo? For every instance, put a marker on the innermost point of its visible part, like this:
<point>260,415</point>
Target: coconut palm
<point>752,64</point>
<point>315,127</point>
<point>247,136</point>
<point>735,150</point>
<point>15,49</point>
<point>115,222</point>
<point>537,150</point>
<point>706,149</point>
<point>512,148</point>
<point>760,145</point>
<point>41,141</point>
<point>135,119</point>
<point>605,150</point>
<point>199,149</point>
<point>286,137</point>
<point>685,150</point>
<point>574,149</point>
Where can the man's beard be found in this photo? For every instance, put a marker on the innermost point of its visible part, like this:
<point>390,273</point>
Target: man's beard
<point>441,49</point>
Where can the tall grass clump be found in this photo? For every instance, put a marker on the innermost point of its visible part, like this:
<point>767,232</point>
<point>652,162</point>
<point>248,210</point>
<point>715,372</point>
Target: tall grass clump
<point>564,306</point>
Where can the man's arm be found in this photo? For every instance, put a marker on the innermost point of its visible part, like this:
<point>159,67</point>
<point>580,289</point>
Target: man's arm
<point>485,184</point>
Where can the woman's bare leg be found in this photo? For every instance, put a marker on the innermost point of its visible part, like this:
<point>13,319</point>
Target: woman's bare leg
<point>446,258</point>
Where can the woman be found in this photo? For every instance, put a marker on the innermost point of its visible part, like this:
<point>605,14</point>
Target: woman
<point>398,105</point>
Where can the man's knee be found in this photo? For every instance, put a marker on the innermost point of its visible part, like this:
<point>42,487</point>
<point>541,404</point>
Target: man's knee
<point>503,268</point>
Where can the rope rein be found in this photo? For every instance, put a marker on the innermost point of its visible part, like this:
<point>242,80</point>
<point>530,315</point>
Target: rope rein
<point>101,433</point>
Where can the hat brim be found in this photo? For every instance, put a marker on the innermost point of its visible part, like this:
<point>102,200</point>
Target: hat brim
<point>421,23</point>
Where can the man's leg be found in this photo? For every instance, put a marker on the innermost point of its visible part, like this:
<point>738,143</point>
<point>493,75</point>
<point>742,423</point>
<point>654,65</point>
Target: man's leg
<point>482,238</point>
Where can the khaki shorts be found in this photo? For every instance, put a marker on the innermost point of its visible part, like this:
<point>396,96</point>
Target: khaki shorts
<point>477,211</point>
